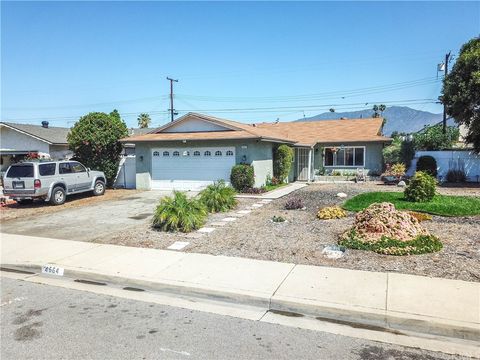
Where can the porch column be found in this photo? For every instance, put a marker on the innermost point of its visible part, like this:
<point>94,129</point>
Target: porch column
<point>309,164</point>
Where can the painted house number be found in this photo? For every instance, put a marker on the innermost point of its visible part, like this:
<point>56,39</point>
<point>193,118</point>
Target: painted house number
<point>52,270</point>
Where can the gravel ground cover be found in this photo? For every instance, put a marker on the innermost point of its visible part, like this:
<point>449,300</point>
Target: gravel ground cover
<point>302,237</point>
<point>40,207</point>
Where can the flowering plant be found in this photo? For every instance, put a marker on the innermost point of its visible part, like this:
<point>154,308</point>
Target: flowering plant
<point>331,212</point>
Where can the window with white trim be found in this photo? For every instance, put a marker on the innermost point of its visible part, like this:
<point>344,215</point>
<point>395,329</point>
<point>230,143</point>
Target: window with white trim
<point>156,153</point>
<point>207,153</point>
<point>176,153</point>
<point>196,153</point>
<point>229,153</point>
<point>166,153</point>
<point>218,153</point>
<point>344,156</point>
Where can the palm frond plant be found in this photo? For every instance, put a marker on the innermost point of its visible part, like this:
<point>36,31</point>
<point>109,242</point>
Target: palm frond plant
<point>179,213</point>
<point>218,197</point>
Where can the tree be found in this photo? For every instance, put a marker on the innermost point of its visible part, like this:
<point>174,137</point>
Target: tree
<point>392,152</point>
<point>282,162</point>
<point>461,91</point>
<point>378,110</point>
<point>433,138</point>
<point>94,141</point>
<point>144,120</point>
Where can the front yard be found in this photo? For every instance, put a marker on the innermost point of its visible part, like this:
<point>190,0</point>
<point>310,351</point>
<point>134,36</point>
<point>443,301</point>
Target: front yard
<point>302,237</point>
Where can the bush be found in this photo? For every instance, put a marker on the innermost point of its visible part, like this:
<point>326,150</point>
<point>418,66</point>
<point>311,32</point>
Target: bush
<point>456,176</point>
<point>282,162</point>
<point>422,244</point>
<point>385,230</point>
<point>421,188</point>
<point>278,219</point>
<point>427,164</point>
<point>331,212</point>
<point>218,197</point>
<point>432,137</point>
<point>242,177</point>
<point>178,213</point>
<point>392,152</point>
<point>94,142</point>
<point>294,204</point>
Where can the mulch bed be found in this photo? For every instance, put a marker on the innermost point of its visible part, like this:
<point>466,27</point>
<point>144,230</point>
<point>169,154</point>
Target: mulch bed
<point>302,238</point>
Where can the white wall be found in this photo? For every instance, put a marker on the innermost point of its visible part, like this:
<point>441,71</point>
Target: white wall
<point>14,140</point>
<point>194,125</point>
<point>445,159</point>
<point>126,177</point>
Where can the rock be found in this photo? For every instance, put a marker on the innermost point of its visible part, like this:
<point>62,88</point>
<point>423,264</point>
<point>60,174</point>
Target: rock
<point>333,252</point>
<point>342,195</point>
<point>401,184</point>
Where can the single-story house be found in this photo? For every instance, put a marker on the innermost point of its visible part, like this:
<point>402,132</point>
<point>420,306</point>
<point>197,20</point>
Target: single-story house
<point>17,140</point>
<point>196,149</point>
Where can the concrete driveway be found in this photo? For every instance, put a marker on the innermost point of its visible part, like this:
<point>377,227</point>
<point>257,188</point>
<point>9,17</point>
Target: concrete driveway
<point>91,221</point>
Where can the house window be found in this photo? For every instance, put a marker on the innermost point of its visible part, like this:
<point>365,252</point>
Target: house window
<point>345,156</point>
<point>229,153</point>
<point>156,153</point>
<point>196,153</point>
<point>207,153</point>
<point>218,153</point>
<point>166,153</point>
<point>176,153</point>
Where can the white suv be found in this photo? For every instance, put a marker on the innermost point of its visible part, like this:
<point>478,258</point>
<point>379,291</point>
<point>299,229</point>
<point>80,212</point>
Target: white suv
<point>51,181</point>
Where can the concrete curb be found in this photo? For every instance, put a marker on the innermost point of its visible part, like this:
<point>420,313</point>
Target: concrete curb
<point>360,317</point>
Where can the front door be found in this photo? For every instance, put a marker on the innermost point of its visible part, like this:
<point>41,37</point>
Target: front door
<point>302,164</point>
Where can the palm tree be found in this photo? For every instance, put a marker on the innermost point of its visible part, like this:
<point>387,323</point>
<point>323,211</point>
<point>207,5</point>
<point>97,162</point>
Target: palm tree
<point>144,120</point>
<point>382,108</point>
<point>375,111</point>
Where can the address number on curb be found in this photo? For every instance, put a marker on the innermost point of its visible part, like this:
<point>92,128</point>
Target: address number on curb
<point>52,270</point>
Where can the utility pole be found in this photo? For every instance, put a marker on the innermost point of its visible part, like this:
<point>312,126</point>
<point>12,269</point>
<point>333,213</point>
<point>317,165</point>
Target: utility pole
<point>444,128</point>
<point>172,110</point>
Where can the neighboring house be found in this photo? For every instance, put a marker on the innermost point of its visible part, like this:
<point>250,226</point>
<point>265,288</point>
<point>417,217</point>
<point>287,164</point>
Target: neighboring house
<point>197,149</point>
<point>17,140</point>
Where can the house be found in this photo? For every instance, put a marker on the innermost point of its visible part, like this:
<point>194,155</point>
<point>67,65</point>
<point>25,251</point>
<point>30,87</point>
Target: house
<point>196,149</point>
<point>17,140</point>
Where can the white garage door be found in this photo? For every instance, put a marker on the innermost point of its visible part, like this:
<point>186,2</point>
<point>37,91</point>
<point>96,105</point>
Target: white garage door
<point>190,168</point>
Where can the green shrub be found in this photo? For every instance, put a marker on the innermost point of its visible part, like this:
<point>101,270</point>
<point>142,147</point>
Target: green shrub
<point>421,188</point>
<point>282,162</point>
<point>179,213</point>
<point>242,177</point>
<point>427,164</point>
<point>456,176</point>
<point>422,244</point>
<point>218,197</point>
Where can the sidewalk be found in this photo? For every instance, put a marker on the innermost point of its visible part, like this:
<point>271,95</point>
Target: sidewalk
<point>396,301</point>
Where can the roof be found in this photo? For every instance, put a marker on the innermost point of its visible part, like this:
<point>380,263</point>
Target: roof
<point>139,131</point>
<point>52,135</point>
<point>296,133</point>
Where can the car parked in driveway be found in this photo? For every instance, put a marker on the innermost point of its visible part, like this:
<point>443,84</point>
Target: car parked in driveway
<point>51,181</point>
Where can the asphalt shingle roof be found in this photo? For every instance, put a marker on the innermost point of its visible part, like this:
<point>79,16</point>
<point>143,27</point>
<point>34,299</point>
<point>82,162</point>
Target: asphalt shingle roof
<point>52,134</point>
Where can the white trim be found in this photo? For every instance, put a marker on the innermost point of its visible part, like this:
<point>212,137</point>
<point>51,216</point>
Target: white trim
<point>346,166</point>
<point>28,134</point>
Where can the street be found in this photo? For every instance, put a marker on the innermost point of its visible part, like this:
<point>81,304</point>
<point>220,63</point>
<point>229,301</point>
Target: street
<point>47,322</point>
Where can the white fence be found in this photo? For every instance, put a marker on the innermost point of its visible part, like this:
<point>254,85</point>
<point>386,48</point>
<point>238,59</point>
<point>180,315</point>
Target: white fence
<point>452,159</point>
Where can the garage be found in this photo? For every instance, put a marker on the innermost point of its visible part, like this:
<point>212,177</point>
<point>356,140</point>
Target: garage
<point>190,168</point>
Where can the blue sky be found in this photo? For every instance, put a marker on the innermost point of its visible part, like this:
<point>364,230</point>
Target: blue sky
<point>251,61</point>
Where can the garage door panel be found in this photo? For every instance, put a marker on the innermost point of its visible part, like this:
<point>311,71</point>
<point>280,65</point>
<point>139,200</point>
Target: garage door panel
<point>189,172</point>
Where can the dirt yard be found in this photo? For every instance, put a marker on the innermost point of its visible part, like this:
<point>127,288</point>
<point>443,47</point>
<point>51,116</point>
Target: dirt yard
<point>301,239</point>
<point>16,211</point>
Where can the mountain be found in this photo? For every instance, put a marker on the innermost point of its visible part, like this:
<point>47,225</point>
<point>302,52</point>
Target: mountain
<point>399,118</point>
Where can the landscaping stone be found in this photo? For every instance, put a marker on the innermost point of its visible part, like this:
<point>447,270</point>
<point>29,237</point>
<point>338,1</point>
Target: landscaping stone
<point>218,223</point>
<point>401,184</point>
<point>206,230</point>
<point>333,251</point>
<point>229,219</point>
<point>178,245</point>
<point>342,195</point>
<point>257,205</point>
<point>244,212</point>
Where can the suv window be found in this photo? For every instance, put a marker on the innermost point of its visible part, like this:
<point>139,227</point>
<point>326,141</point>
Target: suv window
<point>77,167</point>
<point>23,170</point>
<point>47,169</point>
<point>64,168</point>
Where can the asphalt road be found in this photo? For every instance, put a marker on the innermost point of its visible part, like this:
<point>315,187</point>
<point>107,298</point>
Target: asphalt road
<point>47,322</point>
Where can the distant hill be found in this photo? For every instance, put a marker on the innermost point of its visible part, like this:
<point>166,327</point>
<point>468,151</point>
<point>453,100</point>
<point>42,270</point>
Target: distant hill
<point>399,118</point>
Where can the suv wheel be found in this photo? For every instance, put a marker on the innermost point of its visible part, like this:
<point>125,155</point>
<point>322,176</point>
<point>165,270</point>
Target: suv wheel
<point>58,196</point>
<point>99,188</point>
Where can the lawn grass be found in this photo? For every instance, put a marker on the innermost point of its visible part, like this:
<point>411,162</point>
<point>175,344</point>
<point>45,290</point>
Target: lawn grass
<point>444,205</point>
<point>273,187</point>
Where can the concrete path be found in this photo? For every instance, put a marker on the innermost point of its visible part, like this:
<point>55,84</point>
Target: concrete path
<point>277,193</point>
<point>90,221</point>
<point>403,302</point>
